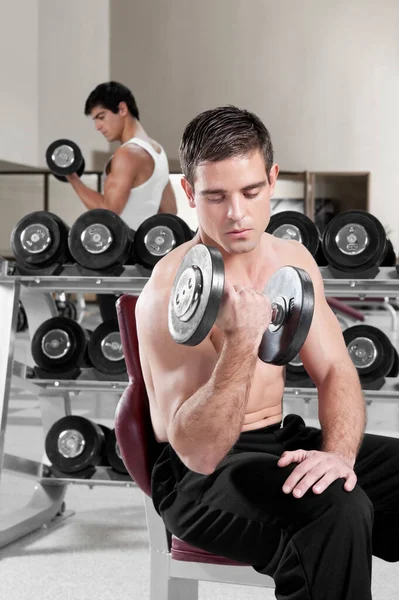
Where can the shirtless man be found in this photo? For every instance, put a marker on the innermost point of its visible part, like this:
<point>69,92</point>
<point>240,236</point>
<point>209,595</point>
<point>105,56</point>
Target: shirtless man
<point>137,182</point>
<point>233,477</point>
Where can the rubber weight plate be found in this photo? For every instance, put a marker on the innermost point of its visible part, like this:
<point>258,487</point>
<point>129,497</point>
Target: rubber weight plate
<point>292,225</point>
<point>196,295</point>
<point>394,372</point>
<point>58,344</point>
<point>74,443</point>
<point>157,236</point>
<point>64,157</point>
<point>389,259</point>
<point>79,173</point>
<point>40,239</point>
<point>370,349</point>
<point>104,462</point>
<point>105,349</point>
<point>295,366</point>
<point>66,309</point>
<point>113,454</point>
<point>290,291</point>
<point>354,239</point>
<point>22,321</point>
<point>100,239</point>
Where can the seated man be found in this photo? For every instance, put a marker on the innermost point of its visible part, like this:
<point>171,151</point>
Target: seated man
<point>307,506</point>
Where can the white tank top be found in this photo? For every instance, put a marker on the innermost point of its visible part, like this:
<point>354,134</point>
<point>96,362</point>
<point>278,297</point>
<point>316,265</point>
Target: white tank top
<point>144,200</point>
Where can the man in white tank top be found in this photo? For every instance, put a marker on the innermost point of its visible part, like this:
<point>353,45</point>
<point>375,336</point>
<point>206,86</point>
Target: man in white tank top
<point>136,182</point>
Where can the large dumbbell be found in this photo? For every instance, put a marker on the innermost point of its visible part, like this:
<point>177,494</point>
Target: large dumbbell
<point>59,345</point>
<point>197,294</point>
<point>355,240</point>
<point>74,444</point>
<point>157,236</point>
<point>293,225</point>
<point>99,239</point>
<point>371,352</point>
<point>39,240</point>
<point>113,454</point>
<point>105,351</point>
<point>64,157</point>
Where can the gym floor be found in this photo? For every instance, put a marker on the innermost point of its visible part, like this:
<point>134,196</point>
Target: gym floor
<point>102,550</point>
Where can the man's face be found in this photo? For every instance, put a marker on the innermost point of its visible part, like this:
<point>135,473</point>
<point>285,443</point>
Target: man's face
<point>107,123</point>
<point>232,198</point>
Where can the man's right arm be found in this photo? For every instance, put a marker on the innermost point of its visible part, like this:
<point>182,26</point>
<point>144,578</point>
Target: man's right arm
<point>168,201</point>
<point>201,396</point>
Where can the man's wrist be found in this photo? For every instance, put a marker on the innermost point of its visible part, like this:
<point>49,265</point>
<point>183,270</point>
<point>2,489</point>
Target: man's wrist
<point>348,457</point>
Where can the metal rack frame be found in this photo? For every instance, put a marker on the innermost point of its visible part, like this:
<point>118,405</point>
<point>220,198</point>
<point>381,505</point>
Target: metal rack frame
<point>47,502</point>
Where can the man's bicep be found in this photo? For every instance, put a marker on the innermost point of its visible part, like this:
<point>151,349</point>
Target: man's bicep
<point>119,183</point>
<point>324,347</point>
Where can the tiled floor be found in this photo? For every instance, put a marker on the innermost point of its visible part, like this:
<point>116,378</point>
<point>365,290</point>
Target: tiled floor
<point>102,550</point>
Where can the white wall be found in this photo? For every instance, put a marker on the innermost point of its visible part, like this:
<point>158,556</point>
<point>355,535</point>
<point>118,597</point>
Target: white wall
<point>322,75</point>
<point>19,81</point>
<point>73,59</point>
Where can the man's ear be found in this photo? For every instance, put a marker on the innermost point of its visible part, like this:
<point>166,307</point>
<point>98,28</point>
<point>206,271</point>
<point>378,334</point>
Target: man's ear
<point>273,177</point>
<point>189,191</point>
<point>123,109</point>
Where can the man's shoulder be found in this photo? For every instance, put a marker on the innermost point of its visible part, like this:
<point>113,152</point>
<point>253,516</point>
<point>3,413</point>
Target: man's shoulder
<point>291,252</point>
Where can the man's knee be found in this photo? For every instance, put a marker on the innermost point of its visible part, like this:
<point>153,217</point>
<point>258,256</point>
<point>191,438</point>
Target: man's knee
<point>352,509</point>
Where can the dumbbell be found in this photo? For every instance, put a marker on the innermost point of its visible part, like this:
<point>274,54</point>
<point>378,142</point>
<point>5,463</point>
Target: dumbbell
<point>105,352</point>
<point>113,454</point>
<point>74,444</point>
<point>22,320</point>
<point>157,236</point>
<point>59,345</point>
<point>39,240</point>
<point>197,293</point>
<point>100,239</point>
<point>64,157</point>
<point>371,352</point>
<point>293,225</point>
<point>355,240</point>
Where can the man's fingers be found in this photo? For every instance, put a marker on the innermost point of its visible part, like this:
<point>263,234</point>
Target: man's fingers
<point>288,458</point>
<point>350,482</point>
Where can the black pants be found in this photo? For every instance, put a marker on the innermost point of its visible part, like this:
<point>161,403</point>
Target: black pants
<point>317,547</point>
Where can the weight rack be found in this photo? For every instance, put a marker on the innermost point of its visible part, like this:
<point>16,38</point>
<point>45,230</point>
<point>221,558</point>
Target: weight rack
<point>47,504</point>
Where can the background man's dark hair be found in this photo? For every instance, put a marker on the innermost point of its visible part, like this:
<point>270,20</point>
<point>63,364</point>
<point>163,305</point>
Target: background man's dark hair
<point>109,95</point>
<point>222,133</point>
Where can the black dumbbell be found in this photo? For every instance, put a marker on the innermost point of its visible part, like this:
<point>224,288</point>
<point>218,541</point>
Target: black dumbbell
<point>355,240</point>
<point>100,239</point>
<point>64,157</point>
<point>39,240</point>
<point>371,352</point>
<point>157,236</point>
<point>113,454</point>
<point>22,320</point>
<point>293,225</point>
<point>74,444</point>
<point>105,349</point>
<point>59,345</point>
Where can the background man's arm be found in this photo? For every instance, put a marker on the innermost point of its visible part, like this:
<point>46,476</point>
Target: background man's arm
<point>168,201</point>
<point>117,185</point>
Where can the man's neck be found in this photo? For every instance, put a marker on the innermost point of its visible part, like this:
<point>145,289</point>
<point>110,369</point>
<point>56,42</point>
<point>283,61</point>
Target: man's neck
<point>130,130</point>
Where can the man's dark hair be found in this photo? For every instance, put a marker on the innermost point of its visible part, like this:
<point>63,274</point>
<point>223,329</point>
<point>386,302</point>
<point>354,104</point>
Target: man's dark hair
<point>222,133</point>
<point>109,95</point>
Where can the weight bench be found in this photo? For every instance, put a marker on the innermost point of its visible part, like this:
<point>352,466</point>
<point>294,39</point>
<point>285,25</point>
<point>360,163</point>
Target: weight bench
<point>176,567</point>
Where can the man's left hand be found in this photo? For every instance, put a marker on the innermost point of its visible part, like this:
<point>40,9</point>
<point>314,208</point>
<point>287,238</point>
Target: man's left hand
<point>316,470</point>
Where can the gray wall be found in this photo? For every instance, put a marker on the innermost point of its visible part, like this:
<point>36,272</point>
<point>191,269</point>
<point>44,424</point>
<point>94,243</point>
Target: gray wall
<point>19,81</point>
<point>323,75</point>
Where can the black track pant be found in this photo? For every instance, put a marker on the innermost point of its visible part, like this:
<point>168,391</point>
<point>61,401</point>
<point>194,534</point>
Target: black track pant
<point>317,547</point>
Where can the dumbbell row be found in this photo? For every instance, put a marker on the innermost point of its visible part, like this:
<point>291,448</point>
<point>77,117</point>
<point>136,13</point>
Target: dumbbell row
<point>352,241</point>
<point>371,351</point>
<point>61,347</point>
<point>99,240</point>
<point>75,446</point>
